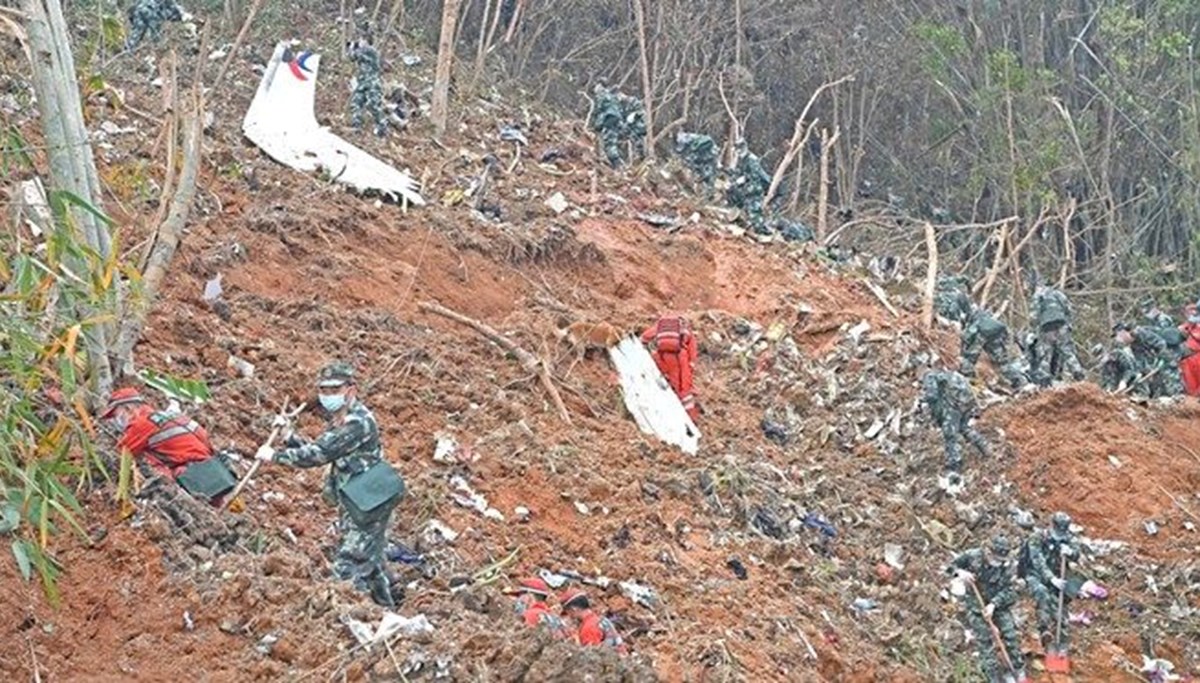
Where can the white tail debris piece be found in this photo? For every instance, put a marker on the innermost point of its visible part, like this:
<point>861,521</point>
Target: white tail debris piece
<point>650,399</point>
<point>281,122</point>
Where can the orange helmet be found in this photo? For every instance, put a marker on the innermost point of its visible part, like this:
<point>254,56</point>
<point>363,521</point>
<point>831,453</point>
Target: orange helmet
<point>534,586</point>
<point>121,397</point>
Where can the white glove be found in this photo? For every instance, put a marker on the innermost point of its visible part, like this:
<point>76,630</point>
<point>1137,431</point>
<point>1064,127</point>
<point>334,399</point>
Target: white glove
<point>965,575</point>
<point>1057,583</point>
<point>265,453</point>
<point>186,17</point>
<point>280,421</point>
<point>988,610</point>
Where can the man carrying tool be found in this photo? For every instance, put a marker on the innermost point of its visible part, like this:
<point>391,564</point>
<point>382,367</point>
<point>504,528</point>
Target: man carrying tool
<point>985,585</point>
<point>1156,362</point>
<point>675,352</point>
<point>1045,565</point>
<point>594,630</point>
<point>169,445</point>
<point>361,483</point>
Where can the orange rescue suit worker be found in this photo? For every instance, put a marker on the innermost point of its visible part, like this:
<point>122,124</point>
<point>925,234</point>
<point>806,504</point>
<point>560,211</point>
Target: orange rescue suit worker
<point>675,352</point>
<point>531,607</point>
<point>594,630</point>
<point>166,442</point>
<point>1189,367</point>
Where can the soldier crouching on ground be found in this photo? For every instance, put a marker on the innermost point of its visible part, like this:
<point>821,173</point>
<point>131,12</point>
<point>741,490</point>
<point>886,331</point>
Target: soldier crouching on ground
<point>361,483</point>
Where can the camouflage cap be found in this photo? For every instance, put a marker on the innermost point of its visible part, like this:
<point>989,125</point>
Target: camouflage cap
<point>335,374</point>
<point>1148,303</point>
<point>1060,525</point>
<point>1000,546</point>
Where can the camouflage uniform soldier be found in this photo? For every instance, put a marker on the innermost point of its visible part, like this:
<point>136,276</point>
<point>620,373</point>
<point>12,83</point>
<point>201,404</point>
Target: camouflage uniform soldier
<point>1156,364</point>
<point>1119,369</point>
<point>633,120</point>
<point>749,187</point>
<point>982,331</point>
<point>146,18</point>
<point>1040,564</point>
<point>991,573</point>
<point>985,332</point>
<point>608,123</point>
<point>350,445</point>
<point>1174,338</point>
<point>699,154</point>
<point>1056,349</point>
<point>368,87</point>
<point>950,299</point>
<point>952,404</point>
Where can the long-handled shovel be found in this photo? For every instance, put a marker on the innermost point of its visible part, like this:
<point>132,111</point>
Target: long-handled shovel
<point>1057,661</point>
<point>996,639</point>
<point>254,467</point>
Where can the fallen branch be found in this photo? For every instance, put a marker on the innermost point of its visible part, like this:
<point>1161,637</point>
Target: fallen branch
<point>930,276</point>
<point>1178,504</point>
<point>799,137</point>
<point>882,296</point>
<point>528,361</point>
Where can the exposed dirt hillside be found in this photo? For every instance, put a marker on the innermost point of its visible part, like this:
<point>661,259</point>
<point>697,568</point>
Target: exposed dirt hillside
<point>311,273</point>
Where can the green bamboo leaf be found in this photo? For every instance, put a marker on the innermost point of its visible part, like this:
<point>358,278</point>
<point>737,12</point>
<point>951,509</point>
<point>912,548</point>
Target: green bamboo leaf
<point>66,514</point>
<point>21,553</point>
<point>10,517</point>
<point>60,199</point>
<point>176,387</point>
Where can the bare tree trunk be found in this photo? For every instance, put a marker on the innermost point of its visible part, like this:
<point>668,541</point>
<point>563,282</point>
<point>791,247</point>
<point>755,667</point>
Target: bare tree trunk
<point>799,138</point>
<point>166,241</point>
<point>440,106</point>
<point>930,277</point>
<point>514,23</point>
<point>482,47</point>
<point>72,166</point>
<point>827,142</point>
<point>647,78</point>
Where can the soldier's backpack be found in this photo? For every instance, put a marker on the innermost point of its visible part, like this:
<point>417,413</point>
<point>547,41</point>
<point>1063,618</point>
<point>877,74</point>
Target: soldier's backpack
<point>372,493</point>
<point>989,326</point>
<point>1173,337</point>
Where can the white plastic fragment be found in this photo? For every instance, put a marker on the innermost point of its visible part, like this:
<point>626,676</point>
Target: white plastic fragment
<point>213,289</point>
<point>642,595</point>
<point>557,202</point>
<point>443,451</point>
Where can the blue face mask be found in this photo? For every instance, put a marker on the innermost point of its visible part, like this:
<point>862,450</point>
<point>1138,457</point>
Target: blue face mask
<point>332,402</point>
